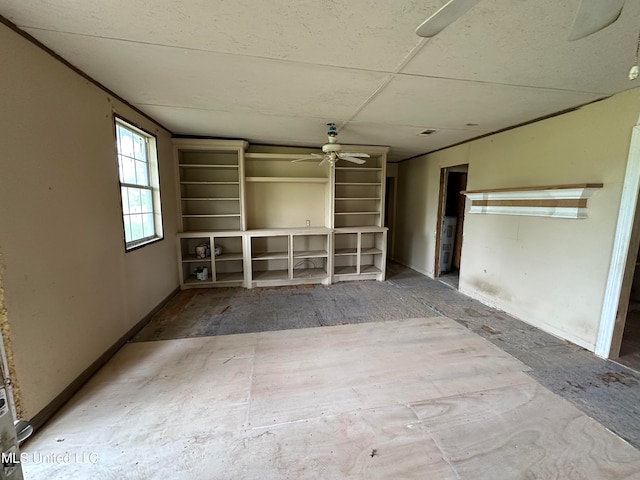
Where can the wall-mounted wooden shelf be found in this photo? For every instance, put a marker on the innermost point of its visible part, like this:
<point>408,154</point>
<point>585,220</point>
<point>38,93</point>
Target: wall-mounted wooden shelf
<point>560,201</point>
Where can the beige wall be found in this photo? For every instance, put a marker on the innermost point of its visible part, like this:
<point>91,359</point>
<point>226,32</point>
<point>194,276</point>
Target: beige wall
<point>70,289</point>
<point>549,272</point>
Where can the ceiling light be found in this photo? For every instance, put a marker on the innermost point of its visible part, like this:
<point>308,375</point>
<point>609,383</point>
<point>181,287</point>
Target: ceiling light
<point>428,131</point>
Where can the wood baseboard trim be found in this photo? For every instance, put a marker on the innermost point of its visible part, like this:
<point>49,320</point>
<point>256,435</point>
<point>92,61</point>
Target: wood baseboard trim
<point>57,403</point>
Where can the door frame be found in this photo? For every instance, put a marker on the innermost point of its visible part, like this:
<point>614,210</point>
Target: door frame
<point>444,185</point>
<point>623,257</point>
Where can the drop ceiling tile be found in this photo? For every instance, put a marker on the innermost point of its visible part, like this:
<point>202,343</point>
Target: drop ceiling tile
<point>441,103</point>
<point>525,43</point>
<point>375,35</point>
<point>256,128</point>
<point>405,140</point>
<point>150,74</point>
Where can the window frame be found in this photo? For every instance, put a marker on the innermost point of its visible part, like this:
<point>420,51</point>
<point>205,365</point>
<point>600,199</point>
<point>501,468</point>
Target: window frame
<point>153,176</point>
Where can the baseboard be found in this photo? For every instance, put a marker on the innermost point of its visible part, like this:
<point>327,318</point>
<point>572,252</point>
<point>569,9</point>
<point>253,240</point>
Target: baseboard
<point>57,403</point>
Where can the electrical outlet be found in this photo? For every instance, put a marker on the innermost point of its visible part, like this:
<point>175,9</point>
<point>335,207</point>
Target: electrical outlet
<point>308,223</point>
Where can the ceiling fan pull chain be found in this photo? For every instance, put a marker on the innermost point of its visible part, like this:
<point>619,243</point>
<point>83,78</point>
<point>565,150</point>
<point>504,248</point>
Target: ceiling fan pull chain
<point>635,70</point>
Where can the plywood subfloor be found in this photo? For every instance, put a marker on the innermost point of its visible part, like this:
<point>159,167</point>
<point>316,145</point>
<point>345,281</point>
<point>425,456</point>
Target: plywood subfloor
<point>417,398</point>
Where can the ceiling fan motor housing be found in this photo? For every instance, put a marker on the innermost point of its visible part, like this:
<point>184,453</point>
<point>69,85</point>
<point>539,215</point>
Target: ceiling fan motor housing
<point>331,147</point>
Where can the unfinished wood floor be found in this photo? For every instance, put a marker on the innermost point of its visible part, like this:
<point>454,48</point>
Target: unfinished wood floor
<point>420,398</point>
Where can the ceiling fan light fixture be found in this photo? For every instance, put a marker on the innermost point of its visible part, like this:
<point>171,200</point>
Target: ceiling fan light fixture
<point>333,151</point>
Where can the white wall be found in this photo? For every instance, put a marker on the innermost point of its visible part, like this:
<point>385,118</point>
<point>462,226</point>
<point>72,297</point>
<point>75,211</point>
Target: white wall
<point>70,289</point>
<point>548,272</point>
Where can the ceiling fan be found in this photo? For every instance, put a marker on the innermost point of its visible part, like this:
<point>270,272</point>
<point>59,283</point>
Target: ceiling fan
<point>333,151</point>
<point>591,17</point>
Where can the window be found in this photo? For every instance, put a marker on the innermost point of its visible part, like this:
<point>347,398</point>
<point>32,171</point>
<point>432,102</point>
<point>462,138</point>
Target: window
<point>139,185</point>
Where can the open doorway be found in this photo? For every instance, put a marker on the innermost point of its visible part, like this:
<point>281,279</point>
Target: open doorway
<point>389,214</point>
<point>453,180</point>
<point>625,347</point>
<point>630,345</point>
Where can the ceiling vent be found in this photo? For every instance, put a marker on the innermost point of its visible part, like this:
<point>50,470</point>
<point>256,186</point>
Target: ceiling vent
<point>427,132</point>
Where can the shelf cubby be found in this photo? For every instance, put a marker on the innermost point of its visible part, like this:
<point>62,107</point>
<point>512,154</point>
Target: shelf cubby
<point>359,253</point>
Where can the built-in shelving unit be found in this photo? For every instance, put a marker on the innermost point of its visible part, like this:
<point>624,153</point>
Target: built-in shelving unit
<point>289,256</point>
<point>221,254</point>
<point>265,221</point>
<point>211,184</point>
<point>359,253</point>
<point>359,190</point>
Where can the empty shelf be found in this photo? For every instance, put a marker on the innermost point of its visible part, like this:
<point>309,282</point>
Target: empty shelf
<point>229,277</point>
<point>229,256</point>
<point>271,275</point>
<point>345,251</point>
<point>310,254</point>
<point>310,273</point>
<point>269,255</point>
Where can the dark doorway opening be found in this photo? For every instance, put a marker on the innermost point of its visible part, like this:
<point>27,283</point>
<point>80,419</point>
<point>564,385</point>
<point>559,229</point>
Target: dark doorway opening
<point>451,225</point>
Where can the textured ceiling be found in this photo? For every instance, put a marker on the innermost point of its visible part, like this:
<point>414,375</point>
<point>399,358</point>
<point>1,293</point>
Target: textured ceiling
<point>277,71</point>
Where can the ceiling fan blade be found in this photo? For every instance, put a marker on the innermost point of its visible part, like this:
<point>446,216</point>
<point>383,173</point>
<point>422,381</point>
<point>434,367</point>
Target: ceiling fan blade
<point>352,159</point>
<point>313,156</point>
<point>324,161</point>
<point>446,15</point>
<point>361,155</point>
<point>594,15</point>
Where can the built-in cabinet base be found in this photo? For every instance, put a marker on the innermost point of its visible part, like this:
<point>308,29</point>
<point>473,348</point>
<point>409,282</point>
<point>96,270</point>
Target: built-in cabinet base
<point>280,257</point>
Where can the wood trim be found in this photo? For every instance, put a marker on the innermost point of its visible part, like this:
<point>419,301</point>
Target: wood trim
<point>558,201</point>
<point>44,415</point>
<point>441,194</point>
<point>551,203</point>
<point>530,189</point>
<point>612,320</point>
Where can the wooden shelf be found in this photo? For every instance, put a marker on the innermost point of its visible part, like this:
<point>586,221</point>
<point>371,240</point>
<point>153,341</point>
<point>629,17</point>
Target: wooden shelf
<point>211,199</point>
<point>188,182</point>
<point>358,198</point>
<point>221,215</point>
<point>536,189</point>
<point>194,259</point>
<point>359,183</point>
<point>192,280</point>
<point>369,269</point>
<point>277,156</point>
<point>345,251</point>
<point>357,213</point>
<point>361,169</point>
<point>311,254</point>
<point>270,255</point>
<point>229,277</point>
<point>559,201</point>
<point>197,165</point>
<point>229,256</point>
<point>348,270</point>
<point>287,180</point>
<point>263,275</point>
<point>309,273</point>
<point>371,251</point>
